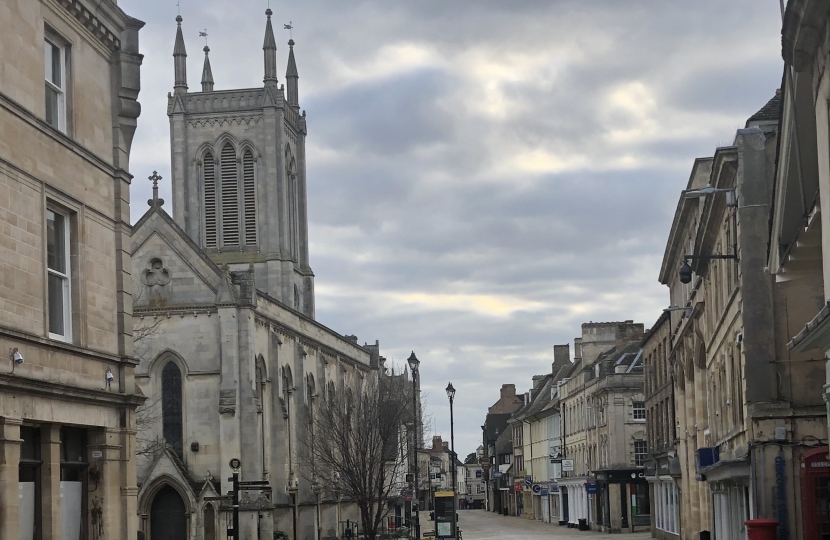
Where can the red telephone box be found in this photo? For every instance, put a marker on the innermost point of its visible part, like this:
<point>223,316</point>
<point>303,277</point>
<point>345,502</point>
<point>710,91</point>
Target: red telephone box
<point>815,493</point>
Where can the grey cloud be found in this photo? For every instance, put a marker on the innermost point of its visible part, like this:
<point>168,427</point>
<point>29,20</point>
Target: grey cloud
<point>411,186</point>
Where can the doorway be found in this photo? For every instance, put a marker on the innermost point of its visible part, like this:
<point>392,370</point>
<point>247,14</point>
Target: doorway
<point>167,516</point>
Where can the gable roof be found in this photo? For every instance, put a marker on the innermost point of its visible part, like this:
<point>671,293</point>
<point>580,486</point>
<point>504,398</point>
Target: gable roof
<point>770,111</point>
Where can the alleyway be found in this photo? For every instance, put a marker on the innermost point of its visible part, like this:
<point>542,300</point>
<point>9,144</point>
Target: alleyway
<point>481,525</point>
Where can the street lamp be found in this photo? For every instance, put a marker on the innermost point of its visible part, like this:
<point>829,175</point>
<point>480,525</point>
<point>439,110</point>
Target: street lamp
<point>413,366</point>
<point>451,396</point>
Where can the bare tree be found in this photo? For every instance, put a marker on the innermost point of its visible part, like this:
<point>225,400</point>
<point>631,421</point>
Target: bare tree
<point>148,414</point>
<point>354,444</point>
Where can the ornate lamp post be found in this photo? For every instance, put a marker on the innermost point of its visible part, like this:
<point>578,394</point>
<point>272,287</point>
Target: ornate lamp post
<point>413,366</point>
<point>451,396</point>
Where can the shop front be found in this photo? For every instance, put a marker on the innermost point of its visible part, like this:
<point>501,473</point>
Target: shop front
<point>622,500</point>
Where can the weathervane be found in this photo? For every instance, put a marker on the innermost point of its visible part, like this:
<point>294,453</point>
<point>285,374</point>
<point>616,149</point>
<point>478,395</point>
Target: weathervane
<point>204,34</point>
<point>178,8</point>
<point>290,28</point>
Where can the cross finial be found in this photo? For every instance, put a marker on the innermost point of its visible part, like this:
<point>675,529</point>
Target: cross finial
<point>154,178</point>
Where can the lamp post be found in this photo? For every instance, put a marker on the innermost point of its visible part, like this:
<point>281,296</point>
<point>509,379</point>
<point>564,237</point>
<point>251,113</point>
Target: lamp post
<point>451,396</point>
<point>413,366</point>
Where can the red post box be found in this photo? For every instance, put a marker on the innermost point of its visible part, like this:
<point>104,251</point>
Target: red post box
<point>761,529</point>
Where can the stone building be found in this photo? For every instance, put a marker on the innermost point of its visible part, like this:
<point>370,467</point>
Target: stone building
<point>68,88</point>
<point>232,360</point>
<point>603,412</point>
<point>748,408</point>
<point>495,426</point>
<point>798,249</point>
<point>662,465</point>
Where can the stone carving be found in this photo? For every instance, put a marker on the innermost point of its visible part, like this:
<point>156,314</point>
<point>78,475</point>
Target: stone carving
<point>238,120</point>
<point>227,401</point>
<point>156,278</point>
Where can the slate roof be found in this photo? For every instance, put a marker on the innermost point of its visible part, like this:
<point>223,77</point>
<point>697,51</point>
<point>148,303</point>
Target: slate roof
<point>770,111</point>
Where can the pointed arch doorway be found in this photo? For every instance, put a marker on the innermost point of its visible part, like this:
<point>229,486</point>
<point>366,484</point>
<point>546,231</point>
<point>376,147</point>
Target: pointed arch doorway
<point>168,519</point>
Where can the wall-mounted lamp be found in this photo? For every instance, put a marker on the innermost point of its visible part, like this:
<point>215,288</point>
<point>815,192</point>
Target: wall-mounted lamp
<point>687,311</point>
<point>15,357</point>
<point>731,198</point>
<point>686,270</point>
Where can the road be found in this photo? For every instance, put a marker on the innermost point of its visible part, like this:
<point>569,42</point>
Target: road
<point>481,525</point>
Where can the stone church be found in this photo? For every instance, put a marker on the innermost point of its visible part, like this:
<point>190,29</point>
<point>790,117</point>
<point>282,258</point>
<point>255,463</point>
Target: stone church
<point>232,360</point>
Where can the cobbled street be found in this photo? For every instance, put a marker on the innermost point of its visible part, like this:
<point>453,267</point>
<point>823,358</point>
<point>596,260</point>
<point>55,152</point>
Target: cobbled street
<point>481,525</point>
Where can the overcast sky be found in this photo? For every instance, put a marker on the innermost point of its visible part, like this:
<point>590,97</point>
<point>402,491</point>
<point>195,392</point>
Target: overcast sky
<point>484,176</point>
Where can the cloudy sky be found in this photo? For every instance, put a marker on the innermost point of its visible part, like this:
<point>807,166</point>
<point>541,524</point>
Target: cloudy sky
<point>484,175</point>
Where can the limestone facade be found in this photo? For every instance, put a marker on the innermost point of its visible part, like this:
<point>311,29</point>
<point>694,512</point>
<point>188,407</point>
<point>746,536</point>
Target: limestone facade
<point>232,360</point>
<point>603,416</point>
<point>662,465</point>
<point>68,88</point>
<point>747,407</point>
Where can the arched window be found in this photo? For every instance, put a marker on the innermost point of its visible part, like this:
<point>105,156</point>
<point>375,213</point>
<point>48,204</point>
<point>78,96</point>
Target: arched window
<point>249,197</point>
<point>293,205</point>
<point>209,177</point>
<point>171,406</point>
<point>210,522</point>
<point>230,196</point>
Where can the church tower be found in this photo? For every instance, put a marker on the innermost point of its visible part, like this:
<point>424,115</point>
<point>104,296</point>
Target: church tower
<point>239,175</point>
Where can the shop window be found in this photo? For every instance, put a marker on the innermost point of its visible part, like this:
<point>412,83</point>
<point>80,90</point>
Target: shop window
<point>29,503</point>
<point>73,484</point>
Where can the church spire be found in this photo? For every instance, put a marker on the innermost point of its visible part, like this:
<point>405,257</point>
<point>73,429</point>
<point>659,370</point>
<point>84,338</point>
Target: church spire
<point>269,46</point>
<point>291,76</point>
<point>207,74</point>
<point>180,59</point>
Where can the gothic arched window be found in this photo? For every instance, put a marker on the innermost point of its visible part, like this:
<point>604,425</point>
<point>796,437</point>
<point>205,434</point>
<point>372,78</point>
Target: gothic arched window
<point>230,196</point>
<point>209,177</point>
<point>171,406</point>
<point>293,203</point>
<point>249,197</point>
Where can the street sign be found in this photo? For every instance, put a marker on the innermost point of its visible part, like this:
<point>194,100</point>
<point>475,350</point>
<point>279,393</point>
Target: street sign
<point>528,481</point>
<point>567,465</point>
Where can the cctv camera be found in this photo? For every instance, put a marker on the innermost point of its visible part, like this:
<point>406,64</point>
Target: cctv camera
<point>110,376</point>
<point>15,355</point>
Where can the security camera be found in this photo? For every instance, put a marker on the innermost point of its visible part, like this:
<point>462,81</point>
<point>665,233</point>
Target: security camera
<point>15,356</point>
<point>685,273</point>
<point>110,376</point>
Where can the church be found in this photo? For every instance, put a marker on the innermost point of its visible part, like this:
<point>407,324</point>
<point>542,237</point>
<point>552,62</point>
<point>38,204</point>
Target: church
<point>232,359</point>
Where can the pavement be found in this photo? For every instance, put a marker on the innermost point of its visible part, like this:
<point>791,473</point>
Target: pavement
<point>483,525</point>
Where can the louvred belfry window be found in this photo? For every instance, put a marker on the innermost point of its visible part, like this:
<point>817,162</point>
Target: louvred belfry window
<point>230,196</point>
<point>209,174</point>
<point>249,193</point>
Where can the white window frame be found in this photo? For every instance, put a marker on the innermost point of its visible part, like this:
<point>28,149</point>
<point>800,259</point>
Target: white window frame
<point>638,411</point>
<point>644,453</point>
<point>61,90</point>
<point>65,276</point>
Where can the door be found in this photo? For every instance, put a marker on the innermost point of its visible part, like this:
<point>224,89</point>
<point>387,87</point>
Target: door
<point>815,494</point>
<point>566,514</point>
<point>167,516</point>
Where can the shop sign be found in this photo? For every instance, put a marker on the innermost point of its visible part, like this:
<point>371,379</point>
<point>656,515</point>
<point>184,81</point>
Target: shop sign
<point>590,488</point>
<point>528,480</point>
<point>554,488</point>
<point>517,486</point>
<point>537,489</point>
<point>544,492</point>
<point>567,465</point>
